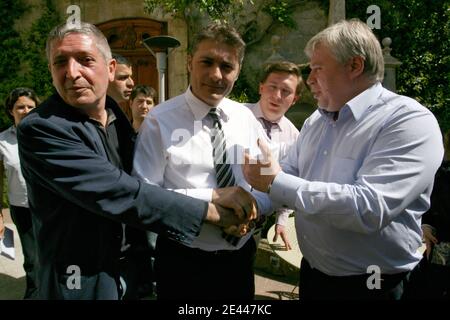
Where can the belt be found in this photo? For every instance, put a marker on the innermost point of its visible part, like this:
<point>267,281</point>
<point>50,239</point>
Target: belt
<point>168,244</point>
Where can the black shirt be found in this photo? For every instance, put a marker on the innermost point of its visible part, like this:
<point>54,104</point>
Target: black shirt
<point>109,137</point>
<point>439,214</point>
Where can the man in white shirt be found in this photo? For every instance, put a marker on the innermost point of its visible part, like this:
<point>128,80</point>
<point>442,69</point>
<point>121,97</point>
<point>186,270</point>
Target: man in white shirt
<point>360,175</point>
<point>177,148</point>
<point>280,88</point>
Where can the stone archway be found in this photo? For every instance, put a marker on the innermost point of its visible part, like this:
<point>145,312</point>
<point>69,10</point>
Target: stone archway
<point>125,36</point>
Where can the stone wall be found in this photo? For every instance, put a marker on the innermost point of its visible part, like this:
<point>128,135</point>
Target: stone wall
<point>99,11</point>
<point>310,19</point>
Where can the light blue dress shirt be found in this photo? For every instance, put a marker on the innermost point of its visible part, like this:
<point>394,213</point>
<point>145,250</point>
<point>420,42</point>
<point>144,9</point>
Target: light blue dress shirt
<point>361,183</point>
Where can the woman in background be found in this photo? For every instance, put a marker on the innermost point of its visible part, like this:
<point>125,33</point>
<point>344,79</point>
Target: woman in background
<point>18,104</point>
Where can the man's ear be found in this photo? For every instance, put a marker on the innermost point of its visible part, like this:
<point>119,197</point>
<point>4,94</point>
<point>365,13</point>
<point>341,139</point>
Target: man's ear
<point>189,62</point>
<point>238,73</point>
<point>112,69</point>
<point>356,66</point>
<point>297,96</point>
<point>260,88</point>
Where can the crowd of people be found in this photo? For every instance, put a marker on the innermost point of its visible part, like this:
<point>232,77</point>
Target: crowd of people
<point>142,198</point>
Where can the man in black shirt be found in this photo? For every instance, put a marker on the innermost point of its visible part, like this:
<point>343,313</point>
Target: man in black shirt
<point>76,156</point>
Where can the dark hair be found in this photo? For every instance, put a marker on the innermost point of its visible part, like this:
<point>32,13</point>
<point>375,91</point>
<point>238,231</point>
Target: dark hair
<point>284,67</point>
<point>222,33</point>
<point>142,89</point>
<point>121,59</point>
<point>15,94</point>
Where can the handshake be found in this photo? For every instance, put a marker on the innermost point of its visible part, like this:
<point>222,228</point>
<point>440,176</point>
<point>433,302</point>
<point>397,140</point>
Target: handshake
<point>233,209</point>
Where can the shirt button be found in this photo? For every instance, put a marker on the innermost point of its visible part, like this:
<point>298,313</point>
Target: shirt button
<point>325,152</point>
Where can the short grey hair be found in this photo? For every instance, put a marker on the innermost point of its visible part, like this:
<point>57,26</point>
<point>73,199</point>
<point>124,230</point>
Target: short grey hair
<point>350,38</point>
<point>62,30</point>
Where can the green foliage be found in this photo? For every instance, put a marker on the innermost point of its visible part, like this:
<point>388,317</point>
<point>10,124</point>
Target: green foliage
<point>280,12</point>
<point>22,58</point>
<point>11,51</point>
<point>221,10</point>
<point>37,73</point>
<point>420,33</point>
<point>215,9</point>
<point>242,92</point>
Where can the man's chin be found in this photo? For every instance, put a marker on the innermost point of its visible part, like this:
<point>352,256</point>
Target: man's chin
<point>81,103</point>
<point>215,98</point>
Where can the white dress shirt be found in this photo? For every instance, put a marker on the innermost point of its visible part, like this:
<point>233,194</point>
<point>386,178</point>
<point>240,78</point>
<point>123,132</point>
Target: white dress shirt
<point>9,154</point>
<point>360,184</point>
<point>284,135</point>
<point>174,150</point>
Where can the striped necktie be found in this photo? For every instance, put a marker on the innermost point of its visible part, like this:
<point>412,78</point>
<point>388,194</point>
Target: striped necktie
<point>224,173</point>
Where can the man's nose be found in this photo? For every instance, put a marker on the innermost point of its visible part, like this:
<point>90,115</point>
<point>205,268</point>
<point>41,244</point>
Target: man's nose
<point>73,69</point>
<point>130,82</point>
<point>216,73</point>
<point>311,79</point>
<point>277,93</point>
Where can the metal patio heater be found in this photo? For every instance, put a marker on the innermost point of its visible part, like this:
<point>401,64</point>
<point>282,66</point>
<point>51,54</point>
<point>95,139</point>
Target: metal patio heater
<point>162,46</point>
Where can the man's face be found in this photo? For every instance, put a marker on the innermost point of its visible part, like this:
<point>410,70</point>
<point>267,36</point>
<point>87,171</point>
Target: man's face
<point>277,94</point>
<point>79,71</point>
<point>214,67</point>
<point>141,105</point>
<point>120,88</point>
<point>329,80</point>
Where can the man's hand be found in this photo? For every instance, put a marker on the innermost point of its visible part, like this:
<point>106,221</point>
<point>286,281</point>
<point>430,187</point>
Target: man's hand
<point>237,199</point>
<point>243,204</point>
<point>221,216</point>
<point>281,231</point>
<point>2,225</point>
<point>260,173</point>
<point>240,230</point>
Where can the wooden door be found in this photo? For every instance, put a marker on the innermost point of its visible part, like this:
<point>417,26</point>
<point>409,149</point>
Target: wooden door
<point>125,38</point>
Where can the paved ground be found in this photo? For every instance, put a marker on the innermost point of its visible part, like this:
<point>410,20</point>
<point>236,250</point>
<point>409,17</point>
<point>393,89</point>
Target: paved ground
<point>273,281</point>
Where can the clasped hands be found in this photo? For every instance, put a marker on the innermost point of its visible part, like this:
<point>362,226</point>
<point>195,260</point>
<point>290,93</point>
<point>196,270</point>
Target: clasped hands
<point>242,204</point>
<point>235,209</point>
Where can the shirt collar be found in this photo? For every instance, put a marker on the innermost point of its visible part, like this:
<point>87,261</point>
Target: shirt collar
<point>200,109</point>
<point>359,104</point>
<point>259,114</point>
<point>257,110</point>
<point>111,117</point>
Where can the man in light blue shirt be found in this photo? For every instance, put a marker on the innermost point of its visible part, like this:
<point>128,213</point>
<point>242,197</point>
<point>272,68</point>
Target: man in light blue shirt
<point>360,174</point>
